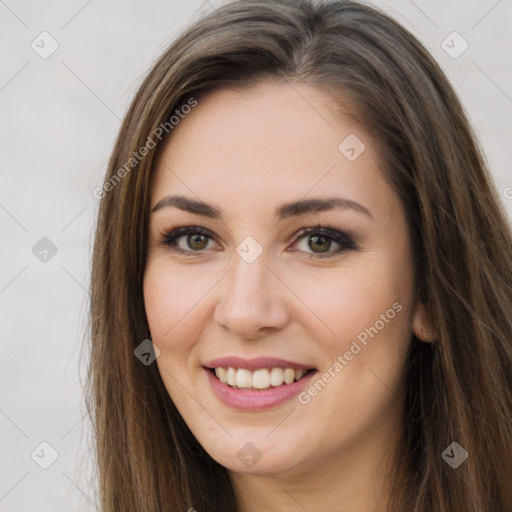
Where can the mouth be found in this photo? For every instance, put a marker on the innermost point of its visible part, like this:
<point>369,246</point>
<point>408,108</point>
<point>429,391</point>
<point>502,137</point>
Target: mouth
<point>256,384</point>
<point>260,379</point>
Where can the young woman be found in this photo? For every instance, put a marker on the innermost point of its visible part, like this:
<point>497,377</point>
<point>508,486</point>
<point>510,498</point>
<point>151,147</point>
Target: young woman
<point>301,281</point>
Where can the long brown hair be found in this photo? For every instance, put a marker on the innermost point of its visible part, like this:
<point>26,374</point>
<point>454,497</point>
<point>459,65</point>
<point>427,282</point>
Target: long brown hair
<point>459,388</point>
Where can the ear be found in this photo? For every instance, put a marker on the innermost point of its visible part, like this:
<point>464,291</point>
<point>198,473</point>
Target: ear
<point>422,324</point>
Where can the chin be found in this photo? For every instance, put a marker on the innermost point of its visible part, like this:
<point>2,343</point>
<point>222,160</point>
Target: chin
<point>257,457</point>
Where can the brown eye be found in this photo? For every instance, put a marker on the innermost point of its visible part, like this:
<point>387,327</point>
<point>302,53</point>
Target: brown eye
<point>319,243</point>
<point>197,242</point>
<point>187,240</point>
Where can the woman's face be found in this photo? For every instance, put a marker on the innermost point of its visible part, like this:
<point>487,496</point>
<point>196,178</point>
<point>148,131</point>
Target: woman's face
<point>253,292</point>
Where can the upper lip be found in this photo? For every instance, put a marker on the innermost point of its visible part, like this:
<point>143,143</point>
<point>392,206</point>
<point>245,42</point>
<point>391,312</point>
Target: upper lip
<point>255,364</point>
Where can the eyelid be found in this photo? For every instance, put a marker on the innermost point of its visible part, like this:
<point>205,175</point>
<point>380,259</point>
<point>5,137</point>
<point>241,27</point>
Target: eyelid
<point>345,240</point>
<point>168,237</point>
<point>342,238</point>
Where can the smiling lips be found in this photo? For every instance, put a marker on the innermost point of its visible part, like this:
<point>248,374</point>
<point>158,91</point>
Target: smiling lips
<point>256,383</point>
<point>242,378</point>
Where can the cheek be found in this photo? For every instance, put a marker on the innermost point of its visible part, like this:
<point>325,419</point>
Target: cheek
<point>174,302</point>
<point>369,312</point>
<point>347,301</point>
<point>175,314</point>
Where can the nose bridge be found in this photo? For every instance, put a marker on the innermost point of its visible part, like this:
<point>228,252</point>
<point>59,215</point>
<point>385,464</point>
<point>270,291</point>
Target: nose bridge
<point>249,299</point>
<point>248,277</point>
<point>248,285</point>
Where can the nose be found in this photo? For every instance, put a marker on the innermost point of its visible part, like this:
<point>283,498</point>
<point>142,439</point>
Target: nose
<point>253,303</point>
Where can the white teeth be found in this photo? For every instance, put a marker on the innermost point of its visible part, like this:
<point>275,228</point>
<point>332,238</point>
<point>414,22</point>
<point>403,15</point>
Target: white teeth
<point>259,379</point>
<point>222,375</point>
<point>231,376</point>
<point>289,375</point>
<point>244,378</point>
<point>276,377</point>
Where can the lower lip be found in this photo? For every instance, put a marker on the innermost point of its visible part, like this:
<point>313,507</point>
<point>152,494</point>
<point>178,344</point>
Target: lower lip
<point>250,400</point>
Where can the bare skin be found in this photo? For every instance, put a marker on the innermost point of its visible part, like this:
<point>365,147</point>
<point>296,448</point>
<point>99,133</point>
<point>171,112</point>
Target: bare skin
<point>247,153</point>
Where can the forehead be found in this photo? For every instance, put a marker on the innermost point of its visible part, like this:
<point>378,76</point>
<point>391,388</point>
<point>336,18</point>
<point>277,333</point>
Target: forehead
<point>267,143</point>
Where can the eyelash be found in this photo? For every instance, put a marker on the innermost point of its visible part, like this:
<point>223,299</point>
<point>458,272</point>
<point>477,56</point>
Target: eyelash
<point>169,238</point>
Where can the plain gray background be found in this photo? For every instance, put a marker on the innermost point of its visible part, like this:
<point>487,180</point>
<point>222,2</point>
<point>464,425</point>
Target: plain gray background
<point>60,116</point>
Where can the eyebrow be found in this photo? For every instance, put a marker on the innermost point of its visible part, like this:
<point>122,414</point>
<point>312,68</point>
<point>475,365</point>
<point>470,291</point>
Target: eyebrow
<point>286,210</point>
